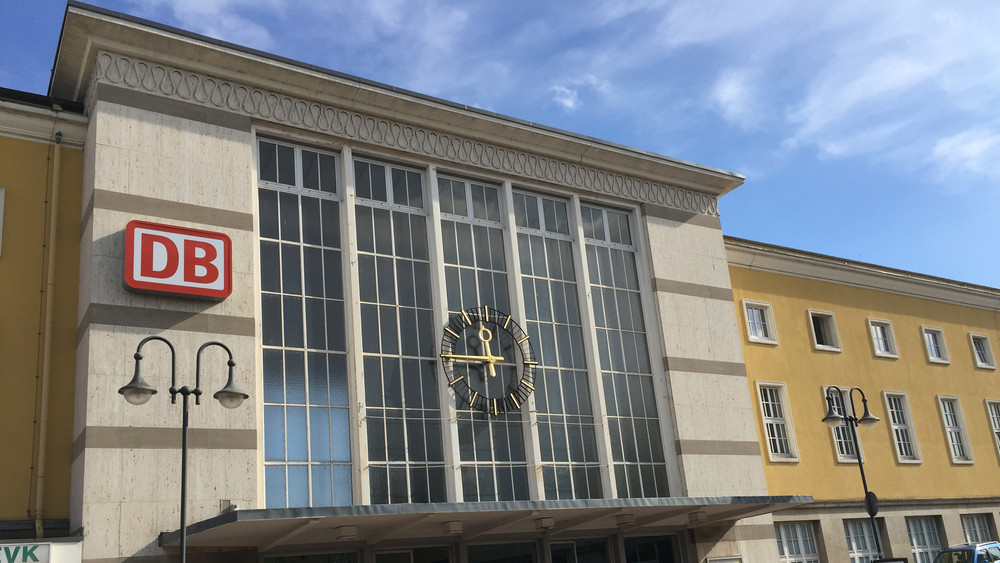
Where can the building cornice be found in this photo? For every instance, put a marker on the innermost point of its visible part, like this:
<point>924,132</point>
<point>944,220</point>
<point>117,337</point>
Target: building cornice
<point>127,52</point>
<point>30,123</point>
<point>788,261</point>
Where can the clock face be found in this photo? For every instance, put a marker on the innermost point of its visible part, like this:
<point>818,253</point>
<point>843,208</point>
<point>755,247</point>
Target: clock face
<point>488,360</point>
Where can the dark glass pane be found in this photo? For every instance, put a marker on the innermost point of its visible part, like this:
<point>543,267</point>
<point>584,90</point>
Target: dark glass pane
<point>399,195</point>
<point>286,165</point>
<point>295,378</point>
<point>292,309</point>
<point>335,325</point>
<point>365,228</point>
<point>268,202</point>
<point>497,257</point>
<point>418,485</point>
<point>315,324</point>
<point>478,201</point>
<point>466,251</point>
<point>376,438</point>
<point>389,327</point>
<point>383,231</point>
<point>415,187</point>
<point>366,274</point>
<point>404,284</point>
<point>418,236</point>
<point>310,170</point>
<point>409,330</point>
<point>274,377</point>
<point>505,483</point>
<point>312,268</point>
<point>435,478</point>
<point>331,223</point>
<point>332,277</point>
<point>395,447</point>
<point>470,487</point>
<point>386,279</point>
<point>378,183</point>
<point>311,228</point>
<point>290,269</point>
<point>267,153</point>
<point>481,243</point>
<point>392,387</point>
<point>337,364</point>
<point>270,314</point>
<point>327,173</point>
<point>379,479</point>
<point>422,284</point>
<point>369,329</point>
<point>288,212</point>
<point>492,204</point>
<point>270,272</point>
<point>415,440</point>
<point>520,215</point>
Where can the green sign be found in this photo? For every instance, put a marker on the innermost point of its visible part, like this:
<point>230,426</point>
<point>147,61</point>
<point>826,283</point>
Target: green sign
<point>24,553</point>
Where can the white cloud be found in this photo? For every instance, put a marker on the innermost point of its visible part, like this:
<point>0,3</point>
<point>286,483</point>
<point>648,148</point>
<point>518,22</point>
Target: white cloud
<point>974,151</point>
<point>735,97</point>
<point>565,98</point>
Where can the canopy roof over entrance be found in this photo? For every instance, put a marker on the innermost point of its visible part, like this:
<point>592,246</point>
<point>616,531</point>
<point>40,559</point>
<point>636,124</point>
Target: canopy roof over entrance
<point>421,524</point>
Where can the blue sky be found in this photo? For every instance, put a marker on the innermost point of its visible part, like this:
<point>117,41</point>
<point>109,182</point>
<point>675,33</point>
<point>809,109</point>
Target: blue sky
<point>866,130</point>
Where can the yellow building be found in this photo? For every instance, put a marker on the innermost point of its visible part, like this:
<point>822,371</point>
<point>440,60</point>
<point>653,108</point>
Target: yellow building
<point>920,349</point>
<point>41,166</point>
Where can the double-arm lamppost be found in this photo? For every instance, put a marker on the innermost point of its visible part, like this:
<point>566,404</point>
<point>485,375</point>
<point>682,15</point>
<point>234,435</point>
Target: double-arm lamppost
<point>834,419</point>
<point>139,392</point>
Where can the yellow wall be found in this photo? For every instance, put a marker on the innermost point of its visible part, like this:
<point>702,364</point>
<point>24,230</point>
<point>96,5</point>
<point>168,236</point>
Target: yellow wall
<point>25,173</point>
<point>804,370</point>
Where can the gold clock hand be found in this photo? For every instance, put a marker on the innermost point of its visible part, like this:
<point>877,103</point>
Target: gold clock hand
<point>468,358</point>
<point>486,344</point>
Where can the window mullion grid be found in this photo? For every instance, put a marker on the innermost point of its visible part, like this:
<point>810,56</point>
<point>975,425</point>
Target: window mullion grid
<point>654,349</point>
<point>595,376</point>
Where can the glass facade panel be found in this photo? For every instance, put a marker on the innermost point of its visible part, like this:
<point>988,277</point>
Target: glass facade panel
<point>637,447</point>
<point>306,438</point>
<point>570,463</point>
<point>406,460</point>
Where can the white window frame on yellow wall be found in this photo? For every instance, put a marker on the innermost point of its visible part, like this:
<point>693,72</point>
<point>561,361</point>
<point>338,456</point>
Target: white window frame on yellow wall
<point>993,414</point>
<point>898,427</point>
<point>766,322</point>
<point>984,357</point>
<point>953,421</point>
<point>890,351</point>
<point>840,435</point>
<point>935,345</point>
<point>784,421</point>
<point>828,322</point>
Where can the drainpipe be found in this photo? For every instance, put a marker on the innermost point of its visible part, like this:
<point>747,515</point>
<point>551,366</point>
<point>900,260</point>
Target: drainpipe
<point>50,286</point>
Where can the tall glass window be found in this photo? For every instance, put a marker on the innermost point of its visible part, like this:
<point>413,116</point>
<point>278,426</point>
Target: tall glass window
<point>306,432</point>
<point>403,416</point>
<point>566,433</point>
<point>633,423</point>
<point>491,448</point>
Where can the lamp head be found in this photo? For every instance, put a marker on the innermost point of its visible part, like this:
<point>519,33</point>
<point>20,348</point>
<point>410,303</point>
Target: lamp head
<point>137,392</point>
<point>832,419</point>
<point>230,396</point>
<point>867,419</point>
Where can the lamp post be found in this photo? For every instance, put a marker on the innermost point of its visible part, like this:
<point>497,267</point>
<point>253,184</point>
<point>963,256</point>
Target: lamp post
<point>833,419</point>
<point>138,392</point>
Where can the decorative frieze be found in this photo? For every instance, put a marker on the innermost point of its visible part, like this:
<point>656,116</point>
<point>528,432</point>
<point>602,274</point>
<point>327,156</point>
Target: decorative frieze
<point>256,103</point>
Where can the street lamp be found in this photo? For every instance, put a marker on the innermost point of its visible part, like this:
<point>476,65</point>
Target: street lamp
<point>138,392</point>
<point>833,419</point>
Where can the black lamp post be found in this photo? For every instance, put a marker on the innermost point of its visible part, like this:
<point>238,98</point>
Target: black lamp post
<point>833,419</point>
<point>138,392</point>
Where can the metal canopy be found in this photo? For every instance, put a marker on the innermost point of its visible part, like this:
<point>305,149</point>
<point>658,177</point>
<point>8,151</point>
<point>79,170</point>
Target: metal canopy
<point>394,525</point>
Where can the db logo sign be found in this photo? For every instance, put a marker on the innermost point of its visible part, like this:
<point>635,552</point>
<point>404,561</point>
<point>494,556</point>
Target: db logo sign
<point>178,261</point>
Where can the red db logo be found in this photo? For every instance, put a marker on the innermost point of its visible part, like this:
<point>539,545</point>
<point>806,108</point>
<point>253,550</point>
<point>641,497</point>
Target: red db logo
<point>178,261</point>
